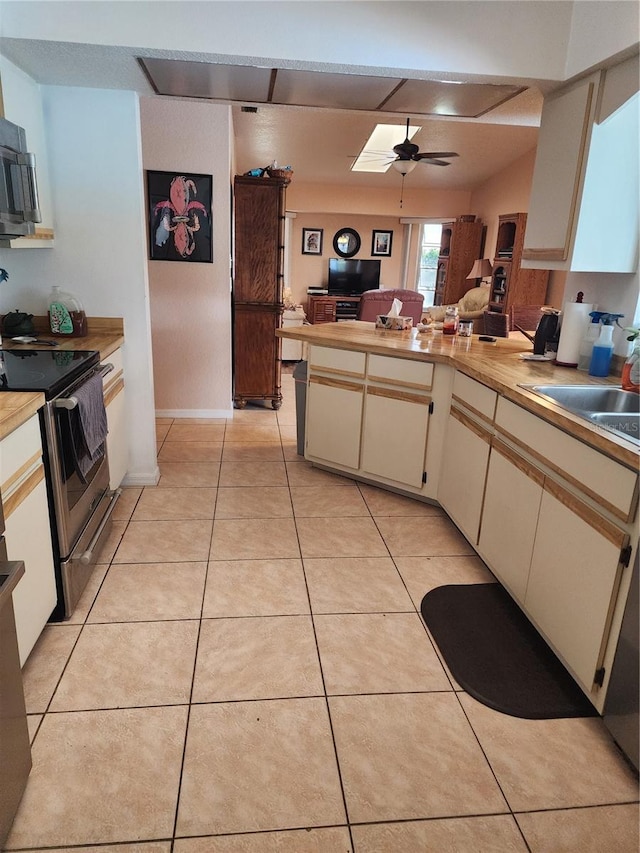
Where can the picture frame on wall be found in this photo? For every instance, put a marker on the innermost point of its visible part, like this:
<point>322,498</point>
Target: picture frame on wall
<point>381,243</point>
<point>312,241</point>
<point>180,217</point>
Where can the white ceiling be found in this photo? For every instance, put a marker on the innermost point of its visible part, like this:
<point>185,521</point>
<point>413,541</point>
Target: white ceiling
<point>319,143</point>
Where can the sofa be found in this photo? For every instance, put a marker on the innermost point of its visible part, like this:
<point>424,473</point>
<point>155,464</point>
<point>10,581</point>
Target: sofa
<point>471,306</point>
<point>374,302</point>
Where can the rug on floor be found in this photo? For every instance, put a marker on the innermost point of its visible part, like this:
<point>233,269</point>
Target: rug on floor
<point>497,656</point>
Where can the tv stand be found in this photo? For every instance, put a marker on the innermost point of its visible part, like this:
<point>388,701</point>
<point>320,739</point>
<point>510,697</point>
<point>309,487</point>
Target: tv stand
<point>329,309</point>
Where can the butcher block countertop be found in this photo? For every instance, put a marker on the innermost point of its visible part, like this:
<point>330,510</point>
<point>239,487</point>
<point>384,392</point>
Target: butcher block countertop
<point>497,365</point>
<point>106,334</point>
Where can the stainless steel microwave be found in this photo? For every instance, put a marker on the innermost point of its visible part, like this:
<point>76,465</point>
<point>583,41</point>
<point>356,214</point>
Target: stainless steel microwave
<point>19,209</point>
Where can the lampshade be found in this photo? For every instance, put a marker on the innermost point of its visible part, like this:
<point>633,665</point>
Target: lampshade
<point>481,268</point>
<point>404,166</point>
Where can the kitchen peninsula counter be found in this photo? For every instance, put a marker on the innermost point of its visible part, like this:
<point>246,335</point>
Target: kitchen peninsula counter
<point>497,365</point>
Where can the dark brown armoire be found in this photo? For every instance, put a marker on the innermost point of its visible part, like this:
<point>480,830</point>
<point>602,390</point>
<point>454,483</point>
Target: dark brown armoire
<point>259,213</point>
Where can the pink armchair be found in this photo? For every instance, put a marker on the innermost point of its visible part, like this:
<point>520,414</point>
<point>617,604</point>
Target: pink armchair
<point>374,302</point>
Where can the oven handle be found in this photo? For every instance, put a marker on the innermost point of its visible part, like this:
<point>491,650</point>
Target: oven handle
<point>87,556</point>
<point>72,402</point>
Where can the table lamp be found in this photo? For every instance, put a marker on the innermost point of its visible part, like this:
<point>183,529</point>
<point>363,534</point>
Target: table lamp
<point>481,269</point>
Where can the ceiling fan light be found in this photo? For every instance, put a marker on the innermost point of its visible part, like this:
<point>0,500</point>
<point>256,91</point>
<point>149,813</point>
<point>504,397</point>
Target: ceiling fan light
<point>404,166</point>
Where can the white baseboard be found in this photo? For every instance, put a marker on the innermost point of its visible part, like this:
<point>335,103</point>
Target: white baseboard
<point>142,478</point>
<point>194,413</point>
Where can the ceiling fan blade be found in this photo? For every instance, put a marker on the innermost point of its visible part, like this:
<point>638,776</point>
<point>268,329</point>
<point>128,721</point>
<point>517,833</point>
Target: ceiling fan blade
<point>430,155</point>
<point>432,161</point>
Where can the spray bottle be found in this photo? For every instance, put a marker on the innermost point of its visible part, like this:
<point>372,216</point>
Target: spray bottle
<point>603,347</point>
<point>590,337</point>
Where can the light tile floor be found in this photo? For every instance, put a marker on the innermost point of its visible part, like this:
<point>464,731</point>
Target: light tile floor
<point>248,673</point>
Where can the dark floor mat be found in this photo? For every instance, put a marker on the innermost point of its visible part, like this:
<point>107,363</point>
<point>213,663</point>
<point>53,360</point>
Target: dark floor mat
<point>496,654</point>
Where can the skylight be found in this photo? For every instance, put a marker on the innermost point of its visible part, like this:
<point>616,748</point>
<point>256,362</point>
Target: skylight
<point>377,154</point>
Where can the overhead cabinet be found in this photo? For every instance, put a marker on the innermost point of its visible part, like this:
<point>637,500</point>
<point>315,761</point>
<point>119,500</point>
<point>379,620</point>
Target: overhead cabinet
<point>583,209</point>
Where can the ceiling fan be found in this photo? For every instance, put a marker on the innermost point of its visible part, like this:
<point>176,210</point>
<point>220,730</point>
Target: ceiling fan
<point>408,155</point>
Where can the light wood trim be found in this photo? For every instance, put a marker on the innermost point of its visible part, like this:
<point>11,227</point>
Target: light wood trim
<point>470,425</point>
<point>614,510</point>
<point>473,410</point>
<point>544,255</point>
<point>391,394</point>
<point>336,383</point>
<point>40,234</point>
<point>114,389</point>
<point>20,472</point>
<point>336,370</point>
<point>521,464</point>
<point>23,491</point>
<point>614,535</point>
<point>419,386</point>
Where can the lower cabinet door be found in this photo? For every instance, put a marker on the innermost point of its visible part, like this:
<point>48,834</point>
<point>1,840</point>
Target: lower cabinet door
<point>28,538</point>
<point>117,449</point>
<point>463,473</point>
<point>509,518</point>
<point>574,578</point>
<point>334,421</point>
<point>395,435</point>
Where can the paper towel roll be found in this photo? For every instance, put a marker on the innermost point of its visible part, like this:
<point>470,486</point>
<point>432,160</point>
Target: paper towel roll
<point>575,319</point>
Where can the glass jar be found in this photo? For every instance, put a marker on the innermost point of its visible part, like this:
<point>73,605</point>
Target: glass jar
<point>465,328</point>
<point>450,322</point>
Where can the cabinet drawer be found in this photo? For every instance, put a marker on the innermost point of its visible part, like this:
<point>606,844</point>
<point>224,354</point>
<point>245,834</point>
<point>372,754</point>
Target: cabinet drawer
<point>116,360</point>
<point>343,362</point>
<point>602,479</point>
<point>21,450</point>
<point>400,371</point>
<point>475,396</point>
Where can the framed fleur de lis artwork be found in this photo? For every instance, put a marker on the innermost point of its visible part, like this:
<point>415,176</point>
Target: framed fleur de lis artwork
<point>179,217</point>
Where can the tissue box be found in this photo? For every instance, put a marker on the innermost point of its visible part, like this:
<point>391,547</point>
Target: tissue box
<point>393,324</point>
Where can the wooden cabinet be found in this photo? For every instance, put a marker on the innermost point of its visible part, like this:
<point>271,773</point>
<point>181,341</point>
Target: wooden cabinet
<point>510,283</point>
<point>460,245</point>
<point>257,288</point>
<point>114,401</point>
<point>27,534</point>
<point>328,309</point>
<point>583,210</point>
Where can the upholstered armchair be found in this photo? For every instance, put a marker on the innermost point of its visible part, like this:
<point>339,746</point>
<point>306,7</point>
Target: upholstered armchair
<point>471,306</point>
<point>374,302</point>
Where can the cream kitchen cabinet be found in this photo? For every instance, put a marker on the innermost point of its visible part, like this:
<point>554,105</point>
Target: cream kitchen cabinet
<point>465,454</point>
<point>583,209</point>
<point>509,518</point>
<point>574,580</point>
<point>555,530</point>
<point>398,405</point>
<point>335,396</point>
<point>114,401</point>
<point>27,533</point>
<point>22,104</point>
<point>371,416</point>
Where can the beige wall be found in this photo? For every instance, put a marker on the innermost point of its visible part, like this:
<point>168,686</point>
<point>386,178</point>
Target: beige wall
<point>508,192</point>
<point>190,303</point>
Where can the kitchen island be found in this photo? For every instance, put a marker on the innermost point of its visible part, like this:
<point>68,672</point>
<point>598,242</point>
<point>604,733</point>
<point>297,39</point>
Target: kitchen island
<point>548,500</point>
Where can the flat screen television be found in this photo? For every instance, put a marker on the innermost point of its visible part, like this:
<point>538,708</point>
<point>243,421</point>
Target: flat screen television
<point>351,277</point>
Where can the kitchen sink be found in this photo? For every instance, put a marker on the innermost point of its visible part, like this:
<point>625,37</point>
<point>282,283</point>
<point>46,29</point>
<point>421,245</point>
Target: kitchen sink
<point>612,409</point>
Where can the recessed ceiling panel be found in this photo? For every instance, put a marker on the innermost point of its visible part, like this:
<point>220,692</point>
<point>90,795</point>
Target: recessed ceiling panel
<point>208,80</point>
<point>433,97</point>
<point>337,91</point>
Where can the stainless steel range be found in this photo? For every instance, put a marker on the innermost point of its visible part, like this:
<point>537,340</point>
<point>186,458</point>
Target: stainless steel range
<point>80,502</point>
